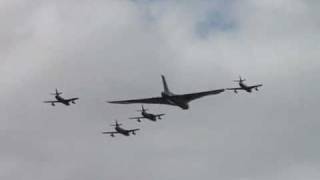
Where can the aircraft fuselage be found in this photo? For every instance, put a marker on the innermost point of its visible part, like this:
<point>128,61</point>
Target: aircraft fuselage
<point>245,87</point>
<point>62,100</point>
<point>149,116</point>
<point>175,100</point>
<point>122,131</point>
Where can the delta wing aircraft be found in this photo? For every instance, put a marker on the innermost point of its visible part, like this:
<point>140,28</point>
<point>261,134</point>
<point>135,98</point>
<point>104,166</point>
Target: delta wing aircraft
<point>168,98</point>
<point>244,86</point>
<point>145,115</point>
<point>120,130</point>
<point>61,100</point>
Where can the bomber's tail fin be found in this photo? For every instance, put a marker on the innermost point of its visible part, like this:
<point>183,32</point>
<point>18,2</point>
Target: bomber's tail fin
<point>165,86</point>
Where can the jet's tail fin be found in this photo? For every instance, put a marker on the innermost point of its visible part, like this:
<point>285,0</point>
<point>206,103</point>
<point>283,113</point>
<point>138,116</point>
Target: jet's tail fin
<point>142,109</point>
<point>57,93</point>
<point>116,124</point>
<point>165,86</point>
<point>240,80</point>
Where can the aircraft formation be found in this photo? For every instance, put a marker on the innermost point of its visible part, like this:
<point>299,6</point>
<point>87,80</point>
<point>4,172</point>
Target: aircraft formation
<point>166,98</point>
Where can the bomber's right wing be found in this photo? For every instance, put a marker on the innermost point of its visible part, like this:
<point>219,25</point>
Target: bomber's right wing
<point>193,96</point>
<point>155,100</point>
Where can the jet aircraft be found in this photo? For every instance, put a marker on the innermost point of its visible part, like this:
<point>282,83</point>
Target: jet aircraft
<point>145,115</point>
<point>244,86</point>
<point>61,100</point>
<point>119,130</point>
<point>168,98</point>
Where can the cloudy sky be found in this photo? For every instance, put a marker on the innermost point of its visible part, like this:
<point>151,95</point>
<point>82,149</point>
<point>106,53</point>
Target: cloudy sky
<point>117,49</point>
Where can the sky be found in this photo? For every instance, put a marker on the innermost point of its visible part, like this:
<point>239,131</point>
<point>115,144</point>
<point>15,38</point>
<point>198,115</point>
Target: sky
<point>117,49</point>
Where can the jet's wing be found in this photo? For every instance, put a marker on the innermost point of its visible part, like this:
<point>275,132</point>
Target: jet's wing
<point>193,96</point>
<point>137,118</point>
<point>255,86</point>
<point>235,88</point>
<point>133,130</point>
<point>114,132</point>
<point>159,115</point>
<point>72,99</point>
<point>50,101</point>
<point>155,100</point>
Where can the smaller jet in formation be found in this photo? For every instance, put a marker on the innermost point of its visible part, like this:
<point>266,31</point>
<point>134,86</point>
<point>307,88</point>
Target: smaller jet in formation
<point>60,99</point>
<point>145,115</point>
<point>119,130</point>
<point>244,86</point>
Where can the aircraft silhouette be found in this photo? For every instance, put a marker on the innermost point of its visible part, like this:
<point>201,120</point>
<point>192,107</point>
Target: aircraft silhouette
<point>168,98</point>
<point>145,115</point>
<point>60,99</point>
<point>244,86</point>
<point>120,130</point>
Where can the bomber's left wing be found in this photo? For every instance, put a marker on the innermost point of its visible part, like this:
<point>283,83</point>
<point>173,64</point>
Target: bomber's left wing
<point>193,96</point>
<point>155,100</point>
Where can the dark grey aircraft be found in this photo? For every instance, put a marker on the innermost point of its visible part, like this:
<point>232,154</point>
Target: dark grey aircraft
<point>168,98</point>
<point>244,86</point>
<point>60,99</point>
<point>145,115</point>
<point>120,130</point>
